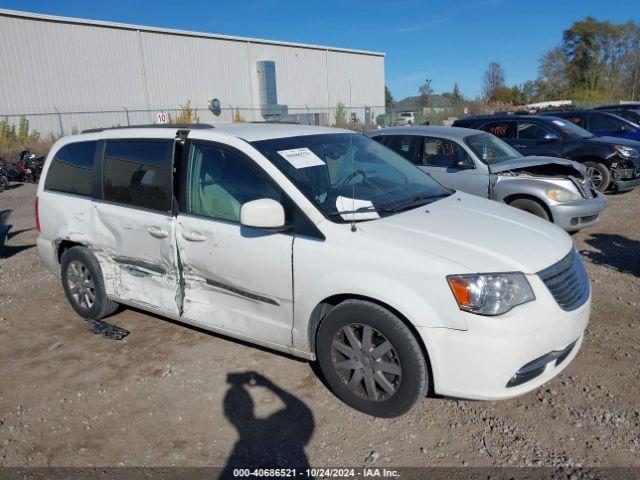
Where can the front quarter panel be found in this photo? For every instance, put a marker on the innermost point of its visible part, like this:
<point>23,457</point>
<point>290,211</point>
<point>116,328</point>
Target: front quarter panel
<point>354,264</point>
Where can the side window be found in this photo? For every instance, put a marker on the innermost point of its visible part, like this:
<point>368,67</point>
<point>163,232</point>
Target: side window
<point>501,129</point>
<point>138,173</point>
<point>532,131</point>
<point>577,119</point>
<point>407,146</point>
<point>71,170</point>
<point>444,153</point>
<point>605,123</point>
<point>220,181</point>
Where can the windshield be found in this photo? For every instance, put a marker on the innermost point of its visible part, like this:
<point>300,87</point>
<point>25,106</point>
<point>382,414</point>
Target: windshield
<point>333,169</point>
<point>490,149</point>
<point>571,129</point>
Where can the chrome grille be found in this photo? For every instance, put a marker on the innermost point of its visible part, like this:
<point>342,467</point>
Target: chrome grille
<point>567,281</point>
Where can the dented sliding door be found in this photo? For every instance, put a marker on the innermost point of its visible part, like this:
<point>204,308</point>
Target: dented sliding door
<point>135,224</point>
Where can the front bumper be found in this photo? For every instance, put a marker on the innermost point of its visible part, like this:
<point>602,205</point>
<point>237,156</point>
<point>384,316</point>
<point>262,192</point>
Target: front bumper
<point>572,216</point>
<point>624,185</point>
<point>480,362</point>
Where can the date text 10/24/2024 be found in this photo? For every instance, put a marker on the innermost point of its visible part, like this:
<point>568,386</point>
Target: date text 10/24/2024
<point>316,473</point>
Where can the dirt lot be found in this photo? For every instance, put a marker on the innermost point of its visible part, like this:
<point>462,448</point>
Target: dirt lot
<point>68,397</point>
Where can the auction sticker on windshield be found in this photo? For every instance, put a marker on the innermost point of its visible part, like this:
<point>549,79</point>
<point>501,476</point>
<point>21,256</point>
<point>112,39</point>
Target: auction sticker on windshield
<point>301,157</point>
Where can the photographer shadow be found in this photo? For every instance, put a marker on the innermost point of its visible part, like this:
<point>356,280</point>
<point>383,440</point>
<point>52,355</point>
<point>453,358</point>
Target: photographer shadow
<point>277,441</point>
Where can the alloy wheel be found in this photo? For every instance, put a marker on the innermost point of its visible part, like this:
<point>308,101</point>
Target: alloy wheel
<point>81,284</point>
<point>366,362</point>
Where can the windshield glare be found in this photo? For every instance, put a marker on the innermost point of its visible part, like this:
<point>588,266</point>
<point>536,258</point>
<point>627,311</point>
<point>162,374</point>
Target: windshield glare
<point>490,149</point>
<point>332,169</point>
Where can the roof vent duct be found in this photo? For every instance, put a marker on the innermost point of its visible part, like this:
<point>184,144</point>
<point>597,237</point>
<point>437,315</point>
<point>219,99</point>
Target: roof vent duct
<point>268,91</point>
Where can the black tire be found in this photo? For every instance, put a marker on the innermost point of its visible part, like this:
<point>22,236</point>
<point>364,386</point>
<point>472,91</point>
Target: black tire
<point>601,177</point>
<point>4,183</point>
<point>100,306</point>
<point>531,206</point>
<point>409,385</point>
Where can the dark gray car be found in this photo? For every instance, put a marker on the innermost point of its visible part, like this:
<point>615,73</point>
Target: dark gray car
<point>480,163</point>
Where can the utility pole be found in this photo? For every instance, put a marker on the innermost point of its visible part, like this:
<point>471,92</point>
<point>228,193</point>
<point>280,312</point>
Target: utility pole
<point>635,71</point>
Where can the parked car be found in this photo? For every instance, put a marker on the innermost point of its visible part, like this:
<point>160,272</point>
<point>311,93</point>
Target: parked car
<point>481,164</point>
<point>630,111</point>
<point>405,118</point>
<point>321,243</point>
<point>602,123</point>
<point>615,162</point>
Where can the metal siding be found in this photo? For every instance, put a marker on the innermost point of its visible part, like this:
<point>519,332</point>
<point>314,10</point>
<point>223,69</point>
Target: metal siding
<point>197,69</point>
<point>71,67</point>
<point>367,79</point>
<point>300,74</point>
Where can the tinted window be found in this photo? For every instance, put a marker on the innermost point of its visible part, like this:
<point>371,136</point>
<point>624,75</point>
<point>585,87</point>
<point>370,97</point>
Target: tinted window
<point>501,129</point>
<point>71,169</point>
<point>605,123</point>
<point>532,131</point>
<point>220,181</point>
<point>443,153</point>
<point>406,145</point>
<point>577,119</point>
<point>138,173</point>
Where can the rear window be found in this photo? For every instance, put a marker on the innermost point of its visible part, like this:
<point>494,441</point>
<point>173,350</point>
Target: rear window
<point>71,170</point>
<point>137,173</point>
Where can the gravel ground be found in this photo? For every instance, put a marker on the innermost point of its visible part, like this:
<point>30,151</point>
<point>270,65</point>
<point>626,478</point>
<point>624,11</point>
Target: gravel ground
<point>70,398</point>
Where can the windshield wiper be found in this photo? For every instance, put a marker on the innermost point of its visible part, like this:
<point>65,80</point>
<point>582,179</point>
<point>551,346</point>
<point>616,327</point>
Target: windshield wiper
<point>416,201</point>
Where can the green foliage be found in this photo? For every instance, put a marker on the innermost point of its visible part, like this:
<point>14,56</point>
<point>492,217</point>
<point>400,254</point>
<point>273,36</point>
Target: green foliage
<point>340,118</point>
<point>186,116</point>
<point>596,60</point>
<point>389,101</point>
<point>15,139</point>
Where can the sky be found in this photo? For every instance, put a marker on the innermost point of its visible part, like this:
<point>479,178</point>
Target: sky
<point>446,41</point>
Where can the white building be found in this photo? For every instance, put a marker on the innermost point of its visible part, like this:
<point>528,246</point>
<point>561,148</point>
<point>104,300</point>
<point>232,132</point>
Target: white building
<point>66,73</point>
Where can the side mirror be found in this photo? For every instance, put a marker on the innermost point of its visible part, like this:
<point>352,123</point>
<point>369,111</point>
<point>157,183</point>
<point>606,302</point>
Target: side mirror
<point>264,213</point>
<point>626,128</point>
<point>463,164</point>
<point>550,137</point>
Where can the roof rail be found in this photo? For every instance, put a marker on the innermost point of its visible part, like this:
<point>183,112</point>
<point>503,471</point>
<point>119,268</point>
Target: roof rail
<point>180,126</point>
<point>277,122</point>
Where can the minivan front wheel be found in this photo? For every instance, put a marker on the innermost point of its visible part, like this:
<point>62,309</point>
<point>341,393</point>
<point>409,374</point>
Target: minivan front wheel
<point>371,360</point>
<point>83,284</point>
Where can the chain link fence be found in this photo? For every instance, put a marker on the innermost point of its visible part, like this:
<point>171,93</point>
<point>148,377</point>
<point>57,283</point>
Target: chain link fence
<point>57,122</point>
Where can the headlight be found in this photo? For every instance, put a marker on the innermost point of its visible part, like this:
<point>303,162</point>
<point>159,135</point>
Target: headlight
<point>490,293</point>
<point>627,152</point>
<point>562,195</point>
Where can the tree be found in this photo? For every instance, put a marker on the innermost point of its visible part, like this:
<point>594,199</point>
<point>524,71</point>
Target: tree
<point>389,101</point>
<point>456,96</point>
<point>425,91</point>
<point>595,60</point>
<point>492,80</point>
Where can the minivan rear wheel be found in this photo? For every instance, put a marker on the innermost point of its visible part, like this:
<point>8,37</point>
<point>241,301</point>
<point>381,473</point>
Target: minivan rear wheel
<point>83,284</point>
<point>371,359</point>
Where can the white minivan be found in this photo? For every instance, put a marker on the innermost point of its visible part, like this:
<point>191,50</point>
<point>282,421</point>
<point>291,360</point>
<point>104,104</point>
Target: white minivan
<point>320,243</point>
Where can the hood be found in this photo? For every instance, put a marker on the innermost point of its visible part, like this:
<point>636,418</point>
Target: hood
<point>534,161</point>
<point>615,141</point>
<point>478,234</point>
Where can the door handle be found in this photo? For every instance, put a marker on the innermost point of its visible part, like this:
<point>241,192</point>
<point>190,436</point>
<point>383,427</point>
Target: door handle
<point>158,232</point>
<point>193,236</point>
